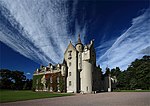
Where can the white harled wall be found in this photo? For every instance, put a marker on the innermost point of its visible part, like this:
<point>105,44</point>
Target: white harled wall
<point>86,83</point>
<point>71,69</point>
<point>86,73</point>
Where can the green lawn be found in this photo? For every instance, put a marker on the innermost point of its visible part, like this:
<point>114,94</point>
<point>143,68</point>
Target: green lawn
<point>13,95</point>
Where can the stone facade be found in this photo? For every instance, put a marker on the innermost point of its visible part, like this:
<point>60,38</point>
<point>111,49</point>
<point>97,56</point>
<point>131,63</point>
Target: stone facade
<point>78,72</point>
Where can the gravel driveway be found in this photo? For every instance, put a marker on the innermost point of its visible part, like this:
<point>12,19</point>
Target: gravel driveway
<point>100,99</point>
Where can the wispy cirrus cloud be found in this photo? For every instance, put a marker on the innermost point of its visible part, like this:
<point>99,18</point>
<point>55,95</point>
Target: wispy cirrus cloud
<point>145,51</point>
<point>129,45</point>
<point>41,30</point>
<point>103,47</point>
<point>37,29</point>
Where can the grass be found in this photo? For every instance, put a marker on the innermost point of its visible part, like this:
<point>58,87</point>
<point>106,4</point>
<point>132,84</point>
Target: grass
<point>13,95</point>
<point>131,91</point>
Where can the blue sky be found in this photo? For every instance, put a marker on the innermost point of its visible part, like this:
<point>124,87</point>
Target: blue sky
<point>38,32</point>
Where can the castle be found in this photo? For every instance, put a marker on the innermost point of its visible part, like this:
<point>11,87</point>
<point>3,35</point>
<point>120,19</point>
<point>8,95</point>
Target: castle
<point>77,73</point>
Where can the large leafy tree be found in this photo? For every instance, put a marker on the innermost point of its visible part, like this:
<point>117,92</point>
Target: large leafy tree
<point>27,84</point>
<point>137,75</point>
<point>115,71</point>
<point>19,79</point>
<point>11,79</point>
<point>107,72</point>
<point>5,79</point>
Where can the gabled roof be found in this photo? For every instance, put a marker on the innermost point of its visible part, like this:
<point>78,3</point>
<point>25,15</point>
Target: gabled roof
<point>70,46</point>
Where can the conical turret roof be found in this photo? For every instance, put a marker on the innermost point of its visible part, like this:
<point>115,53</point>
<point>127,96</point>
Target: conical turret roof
<point>79,40</point>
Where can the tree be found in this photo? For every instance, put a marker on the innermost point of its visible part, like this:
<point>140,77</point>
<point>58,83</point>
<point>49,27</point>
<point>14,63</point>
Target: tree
<point>61,84</point>
<point>5,79</point>
<point>11,79</point>
<point>99,72</point>
<point>121,80</point>
<point>19,79</point>
<point>27,84</point>
<point>137,75</point>
<point>107,72</point>
<point>115,72</point>
<point>140,73</point>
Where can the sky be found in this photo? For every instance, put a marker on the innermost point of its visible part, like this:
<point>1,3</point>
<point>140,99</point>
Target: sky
<point>38,32</point>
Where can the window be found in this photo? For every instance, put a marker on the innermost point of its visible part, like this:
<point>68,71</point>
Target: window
<point>80,56</point>
<point>69,63</point>
<point>87,88</point>
<point>79,47</point>
<point>69,54</point>
<point>69,73</point>
<point>92,55</point>
<point>69,83</point>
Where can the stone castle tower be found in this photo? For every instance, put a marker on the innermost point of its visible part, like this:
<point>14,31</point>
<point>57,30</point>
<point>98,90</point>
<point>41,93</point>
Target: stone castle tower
<point>81,62</point>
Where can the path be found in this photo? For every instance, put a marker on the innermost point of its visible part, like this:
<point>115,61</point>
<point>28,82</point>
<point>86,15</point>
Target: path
<point>100,99</point>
